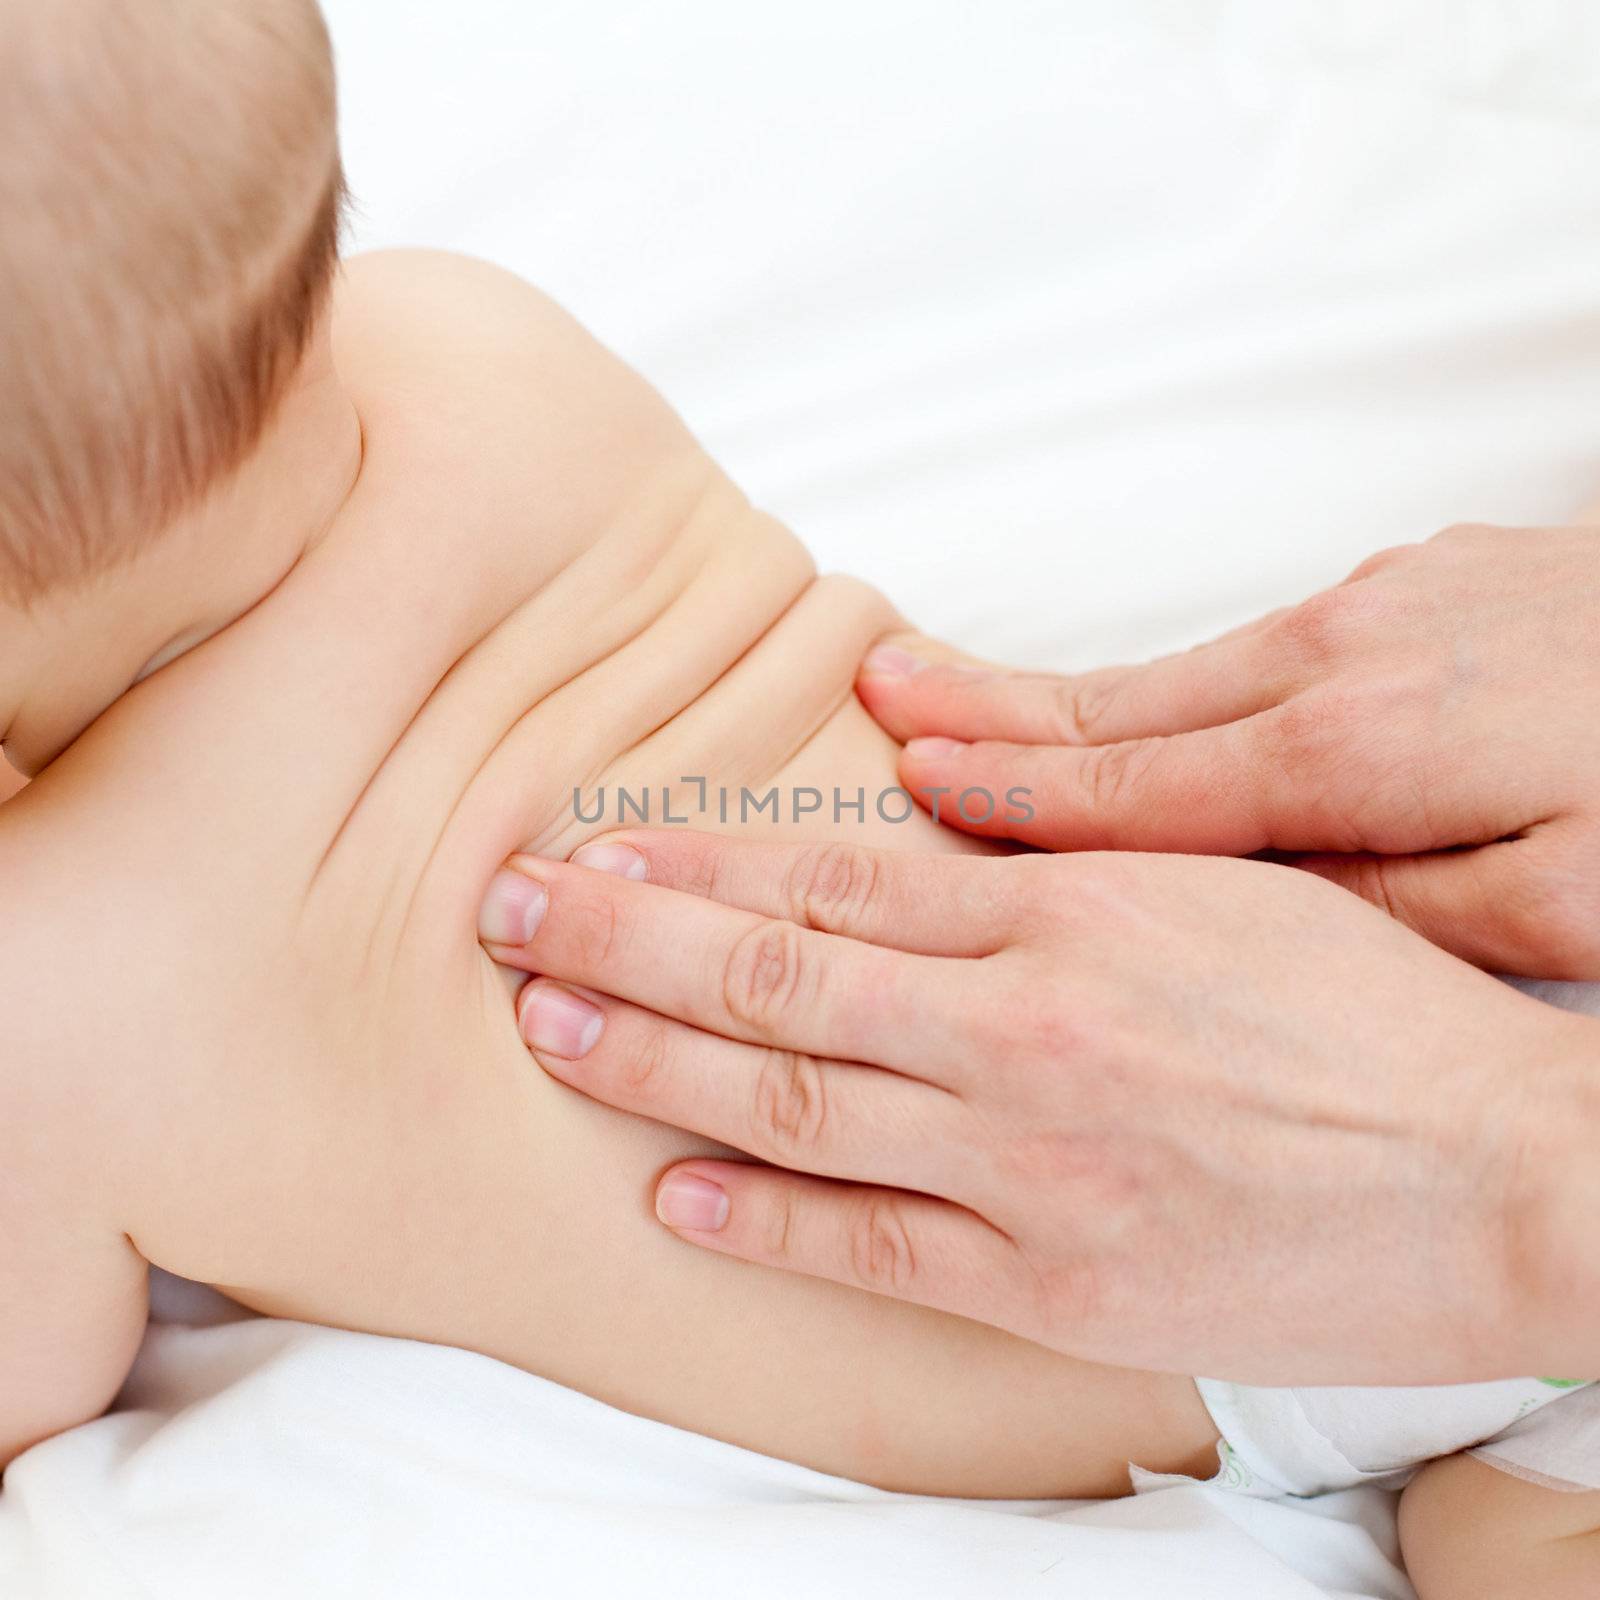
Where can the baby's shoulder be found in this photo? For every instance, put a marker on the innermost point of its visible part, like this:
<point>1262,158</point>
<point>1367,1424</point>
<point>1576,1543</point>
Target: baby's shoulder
<point>402,314</point>
<point>424,299</point>
<point>455,354</point>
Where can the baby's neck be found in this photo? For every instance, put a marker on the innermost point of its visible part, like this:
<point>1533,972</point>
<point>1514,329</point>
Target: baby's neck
<point>69,656</point>
<point>240,543</point>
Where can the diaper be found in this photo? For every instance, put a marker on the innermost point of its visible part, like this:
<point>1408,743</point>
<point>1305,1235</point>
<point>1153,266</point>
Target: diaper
<point>1309,1441</point>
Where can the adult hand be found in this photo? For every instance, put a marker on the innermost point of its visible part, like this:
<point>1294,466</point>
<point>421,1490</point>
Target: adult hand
<point>1164,1111</point>
<point>1429,730</point>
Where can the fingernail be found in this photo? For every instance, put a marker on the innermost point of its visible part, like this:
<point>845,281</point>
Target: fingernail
<point>888,661</point>
<point>619,859</point>
<point>558,1021</point>
<point>684,1200</point>
<point>512,909</point>
<point>933,749</point>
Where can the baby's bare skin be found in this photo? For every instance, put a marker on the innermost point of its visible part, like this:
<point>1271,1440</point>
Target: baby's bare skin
<point>257,1042</point>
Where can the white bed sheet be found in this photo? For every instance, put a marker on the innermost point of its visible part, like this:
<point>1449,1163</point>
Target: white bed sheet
<point>267,1459</point>
<point>1083,329</point>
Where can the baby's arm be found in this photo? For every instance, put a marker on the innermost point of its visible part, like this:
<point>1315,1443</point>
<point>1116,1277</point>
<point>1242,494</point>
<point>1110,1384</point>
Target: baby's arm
<point>72,1310</point>
<point>72,1286</point>
<point>1472,1532</point>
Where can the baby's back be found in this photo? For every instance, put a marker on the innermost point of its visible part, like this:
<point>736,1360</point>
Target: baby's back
<point>261,1021</point>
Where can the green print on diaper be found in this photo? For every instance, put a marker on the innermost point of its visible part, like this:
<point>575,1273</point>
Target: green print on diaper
<point>1565,1383</point>
<point>1235,1474</point>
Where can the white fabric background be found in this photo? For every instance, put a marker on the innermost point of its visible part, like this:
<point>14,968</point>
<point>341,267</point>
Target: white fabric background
<point>1085,329</point>
<point>1151,313</point>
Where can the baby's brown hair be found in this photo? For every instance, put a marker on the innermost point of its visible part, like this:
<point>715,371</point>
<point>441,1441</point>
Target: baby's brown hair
<point>170,199</point>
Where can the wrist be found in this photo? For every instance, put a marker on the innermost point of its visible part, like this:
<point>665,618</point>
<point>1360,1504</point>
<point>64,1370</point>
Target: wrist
<point>1553,1209</point>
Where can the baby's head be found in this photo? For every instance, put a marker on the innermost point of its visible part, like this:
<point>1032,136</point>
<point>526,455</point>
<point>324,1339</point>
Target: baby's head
<point>169,209</point>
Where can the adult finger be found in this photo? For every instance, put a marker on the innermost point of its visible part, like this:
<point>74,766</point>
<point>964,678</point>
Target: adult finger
<point>1215,683</point>
<point>736,973</point>
<point>891,1242</point>
<point>806,1112</point>
<point>946,905</point>
<point>1525,906</point>
<point>1211,792</point>
<point>925,648</point>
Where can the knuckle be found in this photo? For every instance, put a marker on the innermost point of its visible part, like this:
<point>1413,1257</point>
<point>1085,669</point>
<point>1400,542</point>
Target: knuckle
<point>595,926</point>
<point>882,1256</point>
<point>779,1224</point>
<point>763,975</point>
<point>1320,629</point>
<point>1054,1036</point>
<point>1338,763</point>
<point>701,872</point>
<point>1073,1296</point>
<point>1383,561</point>
<point>645,1058</point>
<point>1079,707</point>
<point>1370,880</point>
<point>1112,774</point>
<point>830,886</point>
<point>1039,885</point>
<point>790,1111</point>
<point>1469,533</point>
<point>1355,759</point>
<point>1303,731</point>
<point>1361,720</point>
<point>1087,892</point>
<point>1031,897</point>
<point>1098,1286</point>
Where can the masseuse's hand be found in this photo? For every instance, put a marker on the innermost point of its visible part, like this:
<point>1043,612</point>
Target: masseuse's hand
<point>1429,730</point>
<point>1164,1111</point>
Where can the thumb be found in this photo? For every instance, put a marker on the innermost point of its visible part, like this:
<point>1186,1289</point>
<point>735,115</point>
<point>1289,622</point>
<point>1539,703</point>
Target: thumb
<point>1524,906</point>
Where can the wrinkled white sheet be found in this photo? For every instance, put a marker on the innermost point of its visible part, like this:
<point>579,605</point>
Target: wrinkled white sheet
<point>265,1459</point>
<point>1085,330</point>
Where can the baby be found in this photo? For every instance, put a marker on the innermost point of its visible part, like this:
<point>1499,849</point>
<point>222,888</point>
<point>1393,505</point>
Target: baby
<point>317,599</point>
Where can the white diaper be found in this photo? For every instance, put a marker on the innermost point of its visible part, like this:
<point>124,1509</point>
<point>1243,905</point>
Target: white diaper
<point>1309,1441</point>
